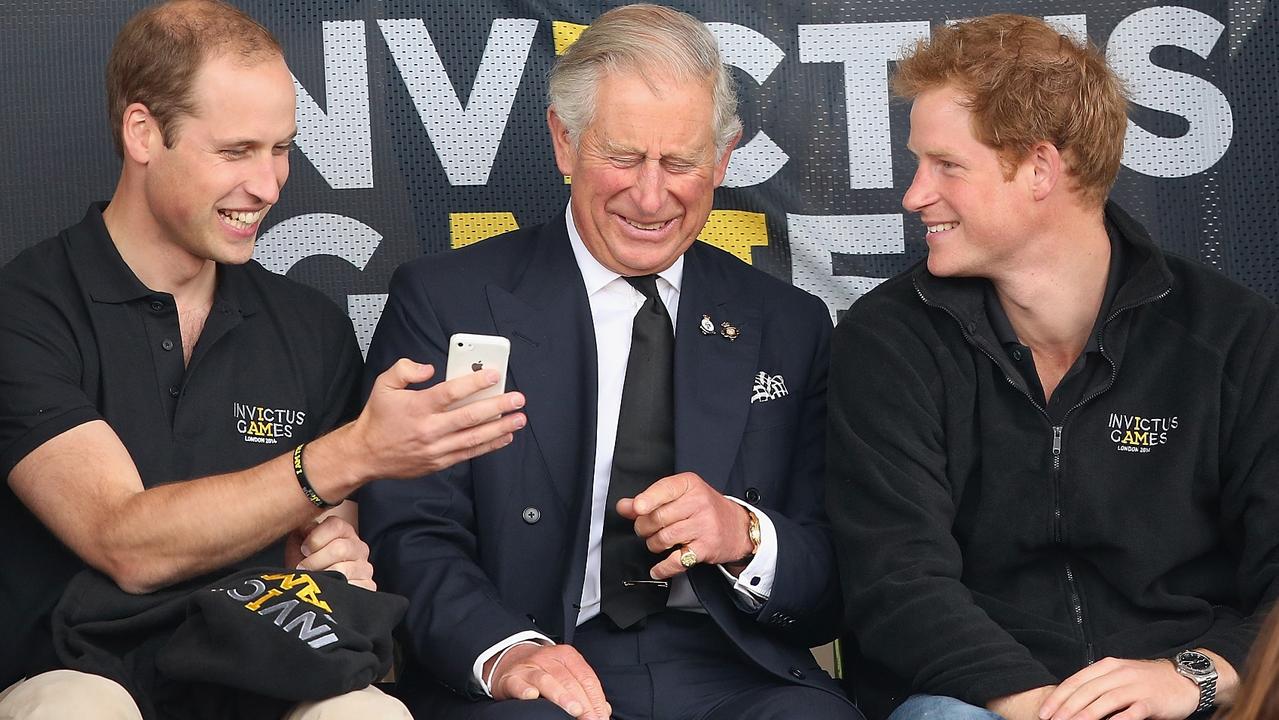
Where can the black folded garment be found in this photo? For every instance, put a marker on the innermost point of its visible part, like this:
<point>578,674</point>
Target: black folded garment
<point>248,645</point>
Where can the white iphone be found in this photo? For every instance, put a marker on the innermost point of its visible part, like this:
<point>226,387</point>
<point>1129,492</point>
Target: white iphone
<point>472,353</point>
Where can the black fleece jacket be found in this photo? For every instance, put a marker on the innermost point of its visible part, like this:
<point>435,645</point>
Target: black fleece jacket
<point>985,549</point>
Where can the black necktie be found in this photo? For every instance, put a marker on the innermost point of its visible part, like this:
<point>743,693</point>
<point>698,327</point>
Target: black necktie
<point>644,453</point>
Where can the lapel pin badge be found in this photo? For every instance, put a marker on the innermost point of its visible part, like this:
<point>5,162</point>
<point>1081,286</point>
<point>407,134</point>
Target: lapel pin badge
<point>708,327</point>
<point>729,330</point>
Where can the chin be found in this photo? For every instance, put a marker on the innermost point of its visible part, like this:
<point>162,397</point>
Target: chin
<point>937,266</point>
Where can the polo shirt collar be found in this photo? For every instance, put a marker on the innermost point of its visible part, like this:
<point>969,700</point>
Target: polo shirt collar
<point>106,277</point>
<point>595,276</point>
<point>109,279</point>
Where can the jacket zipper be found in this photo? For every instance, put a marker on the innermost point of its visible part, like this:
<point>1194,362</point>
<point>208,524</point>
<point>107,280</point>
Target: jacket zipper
<point>1076,599</point>
<point>1072,586</point>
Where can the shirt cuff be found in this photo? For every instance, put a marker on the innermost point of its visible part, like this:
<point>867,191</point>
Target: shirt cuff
<point>527,637</point>
<point>752,588</point>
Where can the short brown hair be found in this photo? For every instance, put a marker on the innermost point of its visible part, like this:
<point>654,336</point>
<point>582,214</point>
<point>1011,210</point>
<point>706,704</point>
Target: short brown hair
<point>1025,82</point>
<point>159,51</point>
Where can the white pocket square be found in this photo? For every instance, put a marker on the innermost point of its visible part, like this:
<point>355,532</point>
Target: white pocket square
<point>768,387</point>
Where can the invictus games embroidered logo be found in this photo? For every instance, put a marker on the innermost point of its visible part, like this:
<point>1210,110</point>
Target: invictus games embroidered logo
<point>1138,434</point>
<point>266,425</point>
<point>285,598</point>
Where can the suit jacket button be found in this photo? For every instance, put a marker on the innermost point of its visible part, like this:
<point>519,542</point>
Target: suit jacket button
<point>752,495</point>
<point>797,673</point>
<point>531,515</point>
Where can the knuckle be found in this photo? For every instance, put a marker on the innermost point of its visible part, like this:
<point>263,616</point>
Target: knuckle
<point>468,414</point>
<point>472,440</point>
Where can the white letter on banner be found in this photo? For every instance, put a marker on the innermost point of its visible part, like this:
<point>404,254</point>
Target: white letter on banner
<point>365,311</point>
<point>339,143</point>
<point>465,139</point>
<point>1073,25</point>
<point>815,238</point>
<point>302,236</point>
<point>745,48</point>
<point>1200,102</point>
<point>865,50</point>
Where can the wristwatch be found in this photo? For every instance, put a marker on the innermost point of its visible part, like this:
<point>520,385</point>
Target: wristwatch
<point>1202,671</point>
<point>752,532</point>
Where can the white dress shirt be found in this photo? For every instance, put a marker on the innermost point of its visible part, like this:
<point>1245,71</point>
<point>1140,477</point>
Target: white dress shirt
<point>614,304</point>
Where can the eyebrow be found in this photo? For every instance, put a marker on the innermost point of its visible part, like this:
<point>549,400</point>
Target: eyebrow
<point>250,142</point>
<point>610,147</point>
<point>935,154</point>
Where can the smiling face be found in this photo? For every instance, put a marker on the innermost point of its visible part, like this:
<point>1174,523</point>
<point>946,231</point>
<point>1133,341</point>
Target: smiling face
<point>209,192</point>
<point>978,221</point>
<point>644,172</point>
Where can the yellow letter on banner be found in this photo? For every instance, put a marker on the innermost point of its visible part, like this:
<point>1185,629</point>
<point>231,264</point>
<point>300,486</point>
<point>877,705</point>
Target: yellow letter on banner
<point>468,228</point>
<point>565,34</point>
<point>736,231</point>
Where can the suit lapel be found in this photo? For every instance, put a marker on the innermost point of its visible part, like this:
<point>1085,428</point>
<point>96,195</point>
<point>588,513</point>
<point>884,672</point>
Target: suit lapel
<point>712,373</point>
<point>547,318</point>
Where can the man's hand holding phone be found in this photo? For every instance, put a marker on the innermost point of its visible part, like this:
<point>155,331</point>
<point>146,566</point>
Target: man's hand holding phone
<point>405,432</point>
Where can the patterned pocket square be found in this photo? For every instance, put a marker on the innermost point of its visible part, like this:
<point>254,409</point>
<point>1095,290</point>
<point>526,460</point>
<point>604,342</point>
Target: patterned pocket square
<point>768,387</point>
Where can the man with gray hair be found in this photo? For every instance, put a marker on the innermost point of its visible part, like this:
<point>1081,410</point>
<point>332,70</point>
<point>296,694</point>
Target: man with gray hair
<point>654,545</point>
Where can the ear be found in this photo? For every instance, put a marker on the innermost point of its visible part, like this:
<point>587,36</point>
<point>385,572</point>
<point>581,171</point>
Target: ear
<point>140,133</point>
<point>565,152</point>
<point>721,167</point>
<point>1046,168</point>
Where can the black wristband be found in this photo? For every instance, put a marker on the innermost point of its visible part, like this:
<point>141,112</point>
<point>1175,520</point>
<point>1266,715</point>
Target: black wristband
<point>307,490</point>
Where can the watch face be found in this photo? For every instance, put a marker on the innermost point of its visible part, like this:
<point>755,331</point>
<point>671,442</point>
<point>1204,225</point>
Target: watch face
<point>1195,662</point>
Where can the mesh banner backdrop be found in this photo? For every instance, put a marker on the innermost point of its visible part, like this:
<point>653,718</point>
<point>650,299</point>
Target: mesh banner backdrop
<point>422,128</point>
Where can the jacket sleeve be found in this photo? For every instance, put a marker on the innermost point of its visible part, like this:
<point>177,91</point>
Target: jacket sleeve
<point>892,509</point>
<point>805,604</point>
<point>422,532</point>
<point>1249,487</point>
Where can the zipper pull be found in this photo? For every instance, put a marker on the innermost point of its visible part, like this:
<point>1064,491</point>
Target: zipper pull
<point>1056,440</point>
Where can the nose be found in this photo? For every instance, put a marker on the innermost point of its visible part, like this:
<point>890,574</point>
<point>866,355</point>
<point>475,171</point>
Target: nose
<point>650,186</point>
<point>920,194</point>
<point>266,176</point>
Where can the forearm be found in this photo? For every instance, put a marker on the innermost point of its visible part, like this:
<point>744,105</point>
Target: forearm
<point>1227,678</point>
<point>181,530</point>
<point>146,538</point>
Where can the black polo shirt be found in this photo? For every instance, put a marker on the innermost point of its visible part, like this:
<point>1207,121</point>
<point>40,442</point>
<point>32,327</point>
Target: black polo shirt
<point>82,339</point>
<point>1088,370</point>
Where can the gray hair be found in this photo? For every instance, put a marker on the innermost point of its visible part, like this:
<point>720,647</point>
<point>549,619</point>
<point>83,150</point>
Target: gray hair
<point>645,40</point>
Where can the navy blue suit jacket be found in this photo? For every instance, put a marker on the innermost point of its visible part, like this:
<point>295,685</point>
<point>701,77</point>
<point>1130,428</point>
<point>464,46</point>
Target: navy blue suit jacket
<point>497,545</point>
